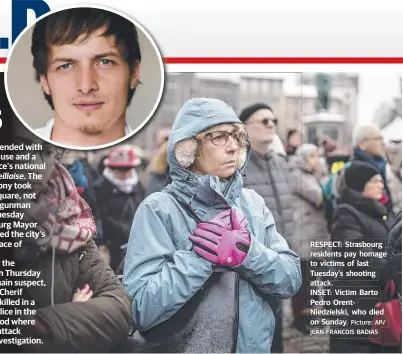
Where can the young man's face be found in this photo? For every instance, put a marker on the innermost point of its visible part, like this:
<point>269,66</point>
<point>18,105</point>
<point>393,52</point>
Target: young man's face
<point>89,83</point>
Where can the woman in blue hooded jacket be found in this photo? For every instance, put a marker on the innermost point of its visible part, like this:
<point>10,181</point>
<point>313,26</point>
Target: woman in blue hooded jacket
<point>204,254</point>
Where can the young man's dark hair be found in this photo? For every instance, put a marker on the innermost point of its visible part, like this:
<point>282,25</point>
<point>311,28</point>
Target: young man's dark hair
<point>67,26</point>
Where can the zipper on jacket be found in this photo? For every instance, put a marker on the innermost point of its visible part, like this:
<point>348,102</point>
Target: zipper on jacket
<point>226,192</point>
<point>228,186</point>
<point>237,311</point>
<point>279,207</point>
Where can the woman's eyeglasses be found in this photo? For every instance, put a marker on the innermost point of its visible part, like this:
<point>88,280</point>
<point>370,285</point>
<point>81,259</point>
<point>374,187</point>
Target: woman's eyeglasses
<point>220,138</point>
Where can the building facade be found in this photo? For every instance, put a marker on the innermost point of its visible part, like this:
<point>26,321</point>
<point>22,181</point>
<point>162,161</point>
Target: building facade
<point>289,104</point>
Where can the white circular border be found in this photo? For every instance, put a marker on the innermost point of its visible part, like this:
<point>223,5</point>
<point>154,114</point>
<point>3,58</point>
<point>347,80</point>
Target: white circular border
<point>98,147</point>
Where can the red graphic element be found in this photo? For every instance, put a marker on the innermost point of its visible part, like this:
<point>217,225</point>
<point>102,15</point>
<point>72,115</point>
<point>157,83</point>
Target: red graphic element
<point>278,60</point>
<point>283,60</point>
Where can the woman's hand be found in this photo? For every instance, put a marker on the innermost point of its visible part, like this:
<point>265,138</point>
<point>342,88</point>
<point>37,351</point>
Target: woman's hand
<point>82,295</point>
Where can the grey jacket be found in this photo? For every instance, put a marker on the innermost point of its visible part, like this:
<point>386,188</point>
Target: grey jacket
<point>268,175</point>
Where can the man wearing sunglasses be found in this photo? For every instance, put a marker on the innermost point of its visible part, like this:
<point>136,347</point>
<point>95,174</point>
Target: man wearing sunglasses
<point>204,254</point>
<point>268,174</point>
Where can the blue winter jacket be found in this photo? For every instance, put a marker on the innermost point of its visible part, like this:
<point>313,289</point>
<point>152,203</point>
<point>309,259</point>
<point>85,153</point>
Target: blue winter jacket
<point>162,272</point>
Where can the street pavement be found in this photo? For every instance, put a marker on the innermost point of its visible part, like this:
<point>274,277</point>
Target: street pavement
<point>296,342</point>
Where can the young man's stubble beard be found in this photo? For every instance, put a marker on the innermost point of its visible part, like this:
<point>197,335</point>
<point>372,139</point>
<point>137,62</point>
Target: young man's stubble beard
<point>94,128</point>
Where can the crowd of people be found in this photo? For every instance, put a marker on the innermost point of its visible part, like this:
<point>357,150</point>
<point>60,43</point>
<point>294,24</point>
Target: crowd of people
<point>197,248</point>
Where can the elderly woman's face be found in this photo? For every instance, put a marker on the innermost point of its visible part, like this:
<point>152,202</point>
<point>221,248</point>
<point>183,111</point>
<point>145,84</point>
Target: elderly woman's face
<point>374,188</point>
<point>219,150</point>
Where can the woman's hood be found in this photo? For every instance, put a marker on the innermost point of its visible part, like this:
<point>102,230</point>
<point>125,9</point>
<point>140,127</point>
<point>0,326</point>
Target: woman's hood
<point>195,116</point>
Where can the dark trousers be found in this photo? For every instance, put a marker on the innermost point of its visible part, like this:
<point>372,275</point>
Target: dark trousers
<point>276,305</point>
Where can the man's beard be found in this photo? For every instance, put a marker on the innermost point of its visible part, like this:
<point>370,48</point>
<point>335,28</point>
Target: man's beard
<point>92,128</point>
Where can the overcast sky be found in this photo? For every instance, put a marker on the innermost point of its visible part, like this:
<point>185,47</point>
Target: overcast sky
<point>374,88</point>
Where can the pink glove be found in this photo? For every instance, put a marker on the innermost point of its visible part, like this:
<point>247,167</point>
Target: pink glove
<point>230,219</point>
<point>227,246</point>
<point>223,219</point>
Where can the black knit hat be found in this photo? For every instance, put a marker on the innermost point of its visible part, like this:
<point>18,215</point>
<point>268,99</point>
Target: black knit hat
<point>359,173</point>
<point>249,110</point>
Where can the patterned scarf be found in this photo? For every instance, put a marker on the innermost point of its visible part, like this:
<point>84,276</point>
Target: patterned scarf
<point>379,162</point>
<point>64,218</point>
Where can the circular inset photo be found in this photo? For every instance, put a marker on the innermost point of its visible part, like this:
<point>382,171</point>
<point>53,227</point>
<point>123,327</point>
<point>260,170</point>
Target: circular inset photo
<point>84,77</point>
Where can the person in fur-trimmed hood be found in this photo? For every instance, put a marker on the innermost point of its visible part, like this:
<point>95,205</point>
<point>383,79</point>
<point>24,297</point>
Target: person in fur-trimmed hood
<point>204,253</point>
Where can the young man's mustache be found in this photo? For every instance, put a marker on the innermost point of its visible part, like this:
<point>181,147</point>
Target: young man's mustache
<point>90,99</point>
